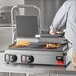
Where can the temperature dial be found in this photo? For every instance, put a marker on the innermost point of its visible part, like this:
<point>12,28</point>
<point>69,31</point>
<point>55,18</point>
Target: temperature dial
<point>13,58</point>
<point>29,59</point>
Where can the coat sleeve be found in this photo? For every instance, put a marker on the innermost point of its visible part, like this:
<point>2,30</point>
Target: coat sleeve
<point>60,17</point>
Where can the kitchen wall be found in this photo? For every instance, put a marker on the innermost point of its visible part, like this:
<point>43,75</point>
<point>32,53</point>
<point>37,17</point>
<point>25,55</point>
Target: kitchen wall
<point>48,10</point>
<point>5,32</point>
<point>10,2</point>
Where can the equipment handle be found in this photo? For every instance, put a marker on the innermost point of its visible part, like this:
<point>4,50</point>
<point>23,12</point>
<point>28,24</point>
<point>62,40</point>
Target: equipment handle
<point>22,6</point>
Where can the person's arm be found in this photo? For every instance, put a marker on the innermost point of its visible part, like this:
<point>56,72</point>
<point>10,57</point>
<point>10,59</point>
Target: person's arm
<point>60,18</point>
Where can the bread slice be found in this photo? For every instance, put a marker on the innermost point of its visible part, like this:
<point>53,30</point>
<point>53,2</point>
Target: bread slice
<point>22,43</point>
<point>49,45</point>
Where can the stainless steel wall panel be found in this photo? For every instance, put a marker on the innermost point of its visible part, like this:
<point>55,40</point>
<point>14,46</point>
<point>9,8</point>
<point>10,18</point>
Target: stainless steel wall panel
<point>48,10</point>
<point>5,37</point>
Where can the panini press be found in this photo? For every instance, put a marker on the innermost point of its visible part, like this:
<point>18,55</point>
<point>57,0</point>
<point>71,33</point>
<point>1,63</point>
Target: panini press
<point>37,54</point>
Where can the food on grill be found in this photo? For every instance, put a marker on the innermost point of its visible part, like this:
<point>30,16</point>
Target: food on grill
<point>74,59</point>
<point>22,43</point>
<point>49,46</point>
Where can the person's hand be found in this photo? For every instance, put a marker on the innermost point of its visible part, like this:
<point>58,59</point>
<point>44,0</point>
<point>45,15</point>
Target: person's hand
<point>52,32</point>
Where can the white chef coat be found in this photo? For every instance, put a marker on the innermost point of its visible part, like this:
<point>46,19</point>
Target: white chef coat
<point>66,14</point>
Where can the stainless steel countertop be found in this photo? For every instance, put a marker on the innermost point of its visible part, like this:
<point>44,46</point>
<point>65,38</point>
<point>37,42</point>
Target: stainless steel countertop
<point>35,69</point>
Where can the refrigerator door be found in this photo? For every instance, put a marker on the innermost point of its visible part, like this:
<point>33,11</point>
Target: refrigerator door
<point>5,37</point>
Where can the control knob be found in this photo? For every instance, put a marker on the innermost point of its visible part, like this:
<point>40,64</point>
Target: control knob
<point>29,59</point>
<point>13,58</point>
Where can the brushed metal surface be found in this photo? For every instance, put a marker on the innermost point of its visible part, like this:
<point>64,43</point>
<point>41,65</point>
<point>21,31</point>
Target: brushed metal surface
<point>48,11</point>
<point>5,37</point>
<point>45,56</point>
<point>36,69</point>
